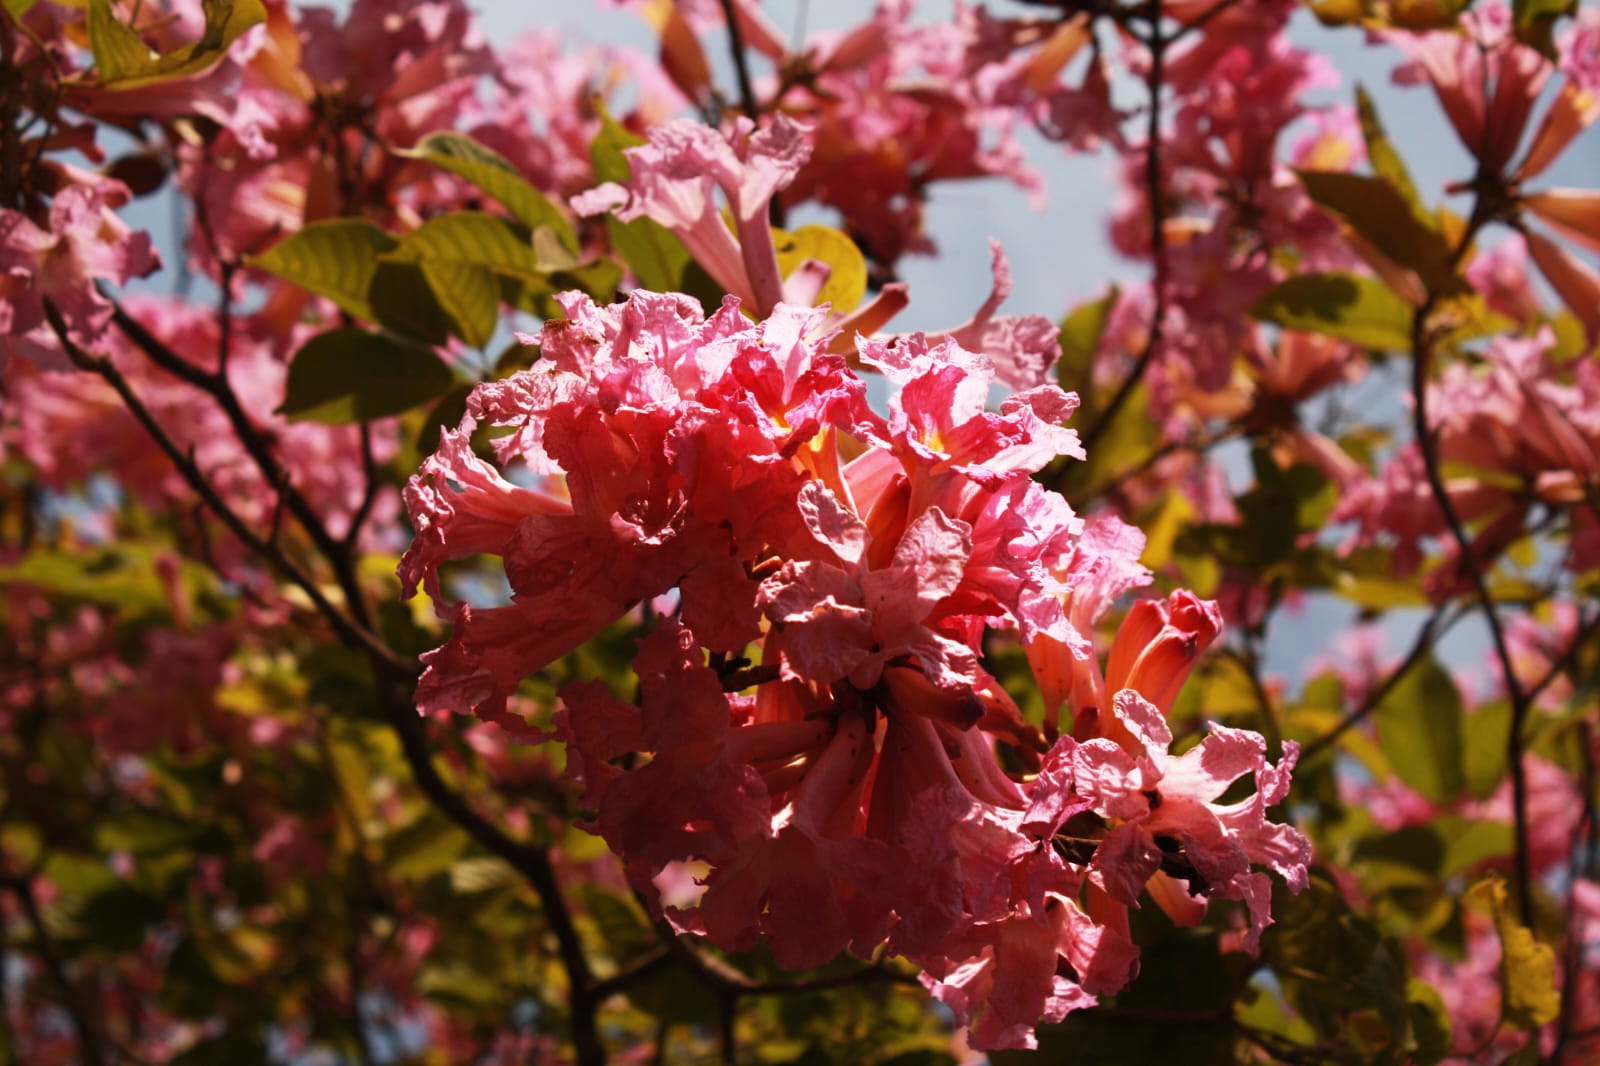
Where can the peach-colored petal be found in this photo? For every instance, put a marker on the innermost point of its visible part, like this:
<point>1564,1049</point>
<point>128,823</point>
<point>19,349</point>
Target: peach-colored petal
<point>1573,213</point>
<point>1575,281</point>
<point>1573,111</point>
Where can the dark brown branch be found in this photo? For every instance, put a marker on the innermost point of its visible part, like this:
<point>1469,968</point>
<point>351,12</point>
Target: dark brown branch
<point>646,968</point>
<point>741,64</point>
<point>1436,626</point>
<point>747,93</point>
<point>533,863</point>
<point>255,443</point>
<point>369,494</point>
<point>739,680</point>
<point>1422,341</point>
<point>93,1044</point>
<point>349,631</point>
<point>1158,237</point>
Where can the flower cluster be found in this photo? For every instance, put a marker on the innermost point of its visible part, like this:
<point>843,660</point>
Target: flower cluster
<point>813,719</point>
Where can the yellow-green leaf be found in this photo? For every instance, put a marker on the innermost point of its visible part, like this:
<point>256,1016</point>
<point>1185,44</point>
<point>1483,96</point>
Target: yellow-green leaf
<point>469,294</point>
<point>1430,1022</point>
<point>847,282</point>
<point>1419,726</point>
<point>337,259</point>
<point>1385,159</point>
<point>471,237</point>
<point>1080,343</point>
<point>1383,215</point>
<point>495,175</point>
<point>123,61</point>
<point>1527,967</point>
<point>350,375</point>
<point>1351,307</point>
<point>656,257</point>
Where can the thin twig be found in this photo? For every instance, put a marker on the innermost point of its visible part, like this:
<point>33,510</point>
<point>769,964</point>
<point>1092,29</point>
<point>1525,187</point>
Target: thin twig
<point>369,494</point>
<point>741,64</point>
<point>1422,341</point>
<point>255,443</point>
<point>1435,627</point>
<point>350,631</point>
<point>1158,237</point>
<point>92,1040</point>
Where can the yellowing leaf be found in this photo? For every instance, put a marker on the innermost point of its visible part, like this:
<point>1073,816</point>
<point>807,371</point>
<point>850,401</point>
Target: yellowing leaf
<point>1385,217</point>
<point>847,281</point>
<point>123,61</point>
<point>1385,159</point>
<point>1527,967</point>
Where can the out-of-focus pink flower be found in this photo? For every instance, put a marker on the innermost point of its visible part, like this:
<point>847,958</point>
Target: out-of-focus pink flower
<point>81,243</point>
<point>1513,420</point>
<point>1489,84</point>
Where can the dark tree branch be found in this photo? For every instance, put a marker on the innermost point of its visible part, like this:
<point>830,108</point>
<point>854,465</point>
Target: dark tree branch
<point>1158,237</point>
<point>349,631</point>
<point>1436,626</point>
<point>93,1044</point>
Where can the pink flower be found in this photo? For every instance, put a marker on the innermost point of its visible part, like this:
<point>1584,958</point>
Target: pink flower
<point>1163,817</point>
<point>1489,84</point>
<point>84,242</point>
<point>813,724</point>
<point>674,181</point>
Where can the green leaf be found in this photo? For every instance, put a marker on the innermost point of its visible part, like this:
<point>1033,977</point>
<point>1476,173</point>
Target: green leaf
<point>1419,727</point>
<point>598,277</point>
<point>847,283</point>
<point>18,8</point>
<point>444,414</point>
<point>1527,967</point>
<point>656,257</point>
<point>1383,215</point>
<point>1378,592</point>
<point>1430,1022</point>
<point>1484,734</point>
<point>123,576</point>
<point>495,175</point>
<point>1080,343</point>
<point>403,302</point>
<point>1351,307</point>
<point>427,847</point>
<point>1470,842</point>
<point>350,375</point>
<point>605,151</point>
<point>471,876</point>
<point>469,294</point>
<point>115,920</point>
<point>123,61</point>
<point>1385,159</point>
<point>476,238</point>
<point>337,259</point>
<point>1182,977</point>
